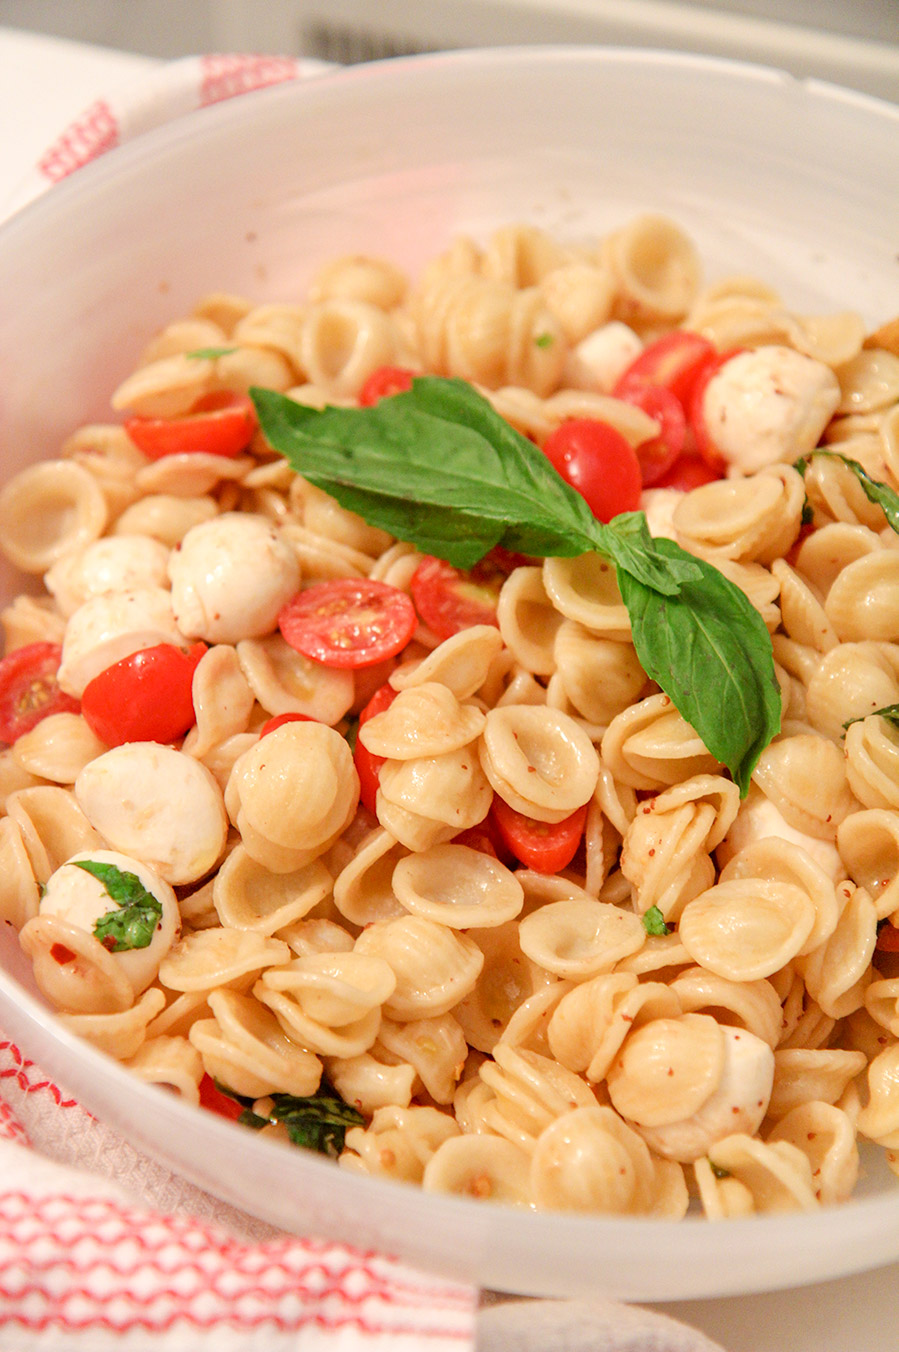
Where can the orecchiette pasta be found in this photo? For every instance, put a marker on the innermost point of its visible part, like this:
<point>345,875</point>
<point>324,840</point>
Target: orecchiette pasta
<point>482,889</point>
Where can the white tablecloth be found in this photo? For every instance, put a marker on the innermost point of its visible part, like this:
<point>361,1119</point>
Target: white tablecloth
<point>45,82</point>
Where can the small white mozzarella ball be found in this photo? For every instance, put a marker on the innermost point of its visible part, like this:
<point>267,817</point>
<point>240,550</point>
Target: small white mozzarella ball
<point>769,405</point>
<point>157,804</point>
<point>659,505</point>
<point>597,361</point>
<point>758,819</point>
<point>81,899</point>
<point>738,1104</point>
<point>231,576</point>
<point>113,564</point>
<point>107,628</point>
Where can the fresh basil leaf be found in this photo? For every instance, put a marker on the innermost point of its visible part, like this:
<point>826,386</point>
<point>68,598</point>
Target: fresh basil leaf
<point>654,921</point>
<point>874,489</point>
<point>138,914</point>
<point>709,650</point>
<point>627,542</point>
<point>438,467</point>
<point>889,711</point>
<point>209,353</point>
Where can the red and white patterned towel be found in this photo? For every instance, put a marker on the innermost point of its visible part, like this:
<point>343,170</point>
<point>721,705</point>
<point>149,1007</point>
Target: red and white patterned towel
<point>102,1247</point>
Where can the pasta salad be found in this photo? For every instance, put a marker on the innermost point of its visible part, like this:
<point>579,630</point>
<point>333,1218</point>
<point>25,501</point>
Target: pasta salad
<point>458,729</point>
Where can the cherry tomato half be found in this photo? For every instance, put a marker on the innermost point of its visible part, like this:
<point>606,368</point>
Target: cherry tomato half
<point>211,1097</point>
<point>146,697</point>
<point>348,622</point>
<point>888,938</point>
<point>688,471</point>
<point>657,455</point>
<point>220,423</point>
<point>368,765</point>
<point>702,437</point>
<point>596,460</point>
<point>384,382</point>
<point>672,362</point>
<point>450,600</point>
<point>280,719</point>
<point>29,690</point>
<point>545,847</point>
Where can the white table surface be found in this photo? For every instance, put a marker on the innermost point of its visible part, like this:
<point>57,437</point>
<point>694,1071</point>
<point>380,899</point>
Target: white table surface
<point>44,82</point>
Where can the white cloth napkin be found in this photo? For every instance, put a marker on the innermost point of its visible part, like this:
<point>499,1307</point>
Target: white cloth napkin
<point>102,1247</point>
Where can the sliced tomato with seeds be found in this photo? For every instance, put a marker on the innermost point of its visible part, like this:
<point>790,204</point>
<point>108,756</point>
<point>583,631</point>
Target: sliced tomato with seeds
<point>673,362</point>
<point>145,697</point>
<point>220,423</point>
<point>384,382</point>
<point>450,600</point>
<point>545,847</point>
<point>368,765</point>
<point>29,690</point>
<point>348,622</point>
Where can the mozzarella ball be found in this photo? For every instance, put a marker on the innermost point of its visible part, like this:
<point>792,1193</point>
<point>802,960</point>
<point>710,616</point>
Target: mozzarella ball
<point>157,804</point>
<point>738,1102</point>
<point>599,359</point>
<point>769,405</point>
<point>113,564</point>
<point>230,577</point>
<point>107,628</point>
<point>81,899</point>
<point>758,819</point>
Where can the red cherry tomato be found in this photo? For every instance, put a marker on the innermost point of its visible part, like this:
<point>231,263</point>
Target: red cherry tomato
<point>221,423</point>
<point>280,719</point>
<point>384,382</point>
<point>545,847</point>
<point>702,437</point>
<point>29,690</point>
<point>211,1097</point>
<point>673,362</point>
<point>888,938</point>
<point>688,471</point>
<point>348,622</point>
<point>450,600</point>
<point>657,455</point>
<point>596,460</point>
<point>368,765</point>
<point>146,697</point>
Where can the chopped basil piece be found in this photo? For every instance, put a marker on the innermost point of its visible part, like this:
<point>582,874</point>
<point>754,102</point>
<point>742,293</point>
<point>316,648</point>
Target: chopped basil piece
<point>544,340</point>
<point>210,353</point>
<point>318,1122</point>
<point>654,921</point>
<point>133,924</point>
<point>718,1171</point>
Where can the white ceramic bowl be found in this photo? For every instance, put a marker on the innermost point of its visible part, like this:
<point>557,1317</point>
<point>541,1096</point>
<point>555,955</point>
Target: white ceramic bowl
<point>786,180</point>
